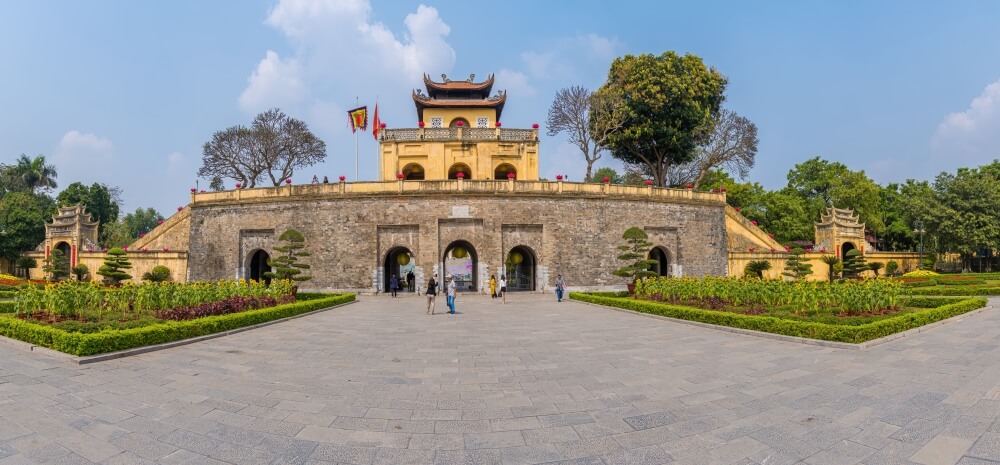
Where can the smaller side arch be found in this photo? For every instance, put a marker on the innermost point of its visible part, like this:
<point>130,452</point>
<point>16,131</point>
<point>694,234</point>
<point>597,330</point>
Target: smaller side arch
<point>662,257</point>
<point>413,172</point>
<point>503,170</point>
<point>459,168</point>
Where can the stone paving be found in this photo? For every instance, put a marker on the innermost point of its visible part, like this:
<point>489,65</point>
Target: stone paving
<point>533,381</point>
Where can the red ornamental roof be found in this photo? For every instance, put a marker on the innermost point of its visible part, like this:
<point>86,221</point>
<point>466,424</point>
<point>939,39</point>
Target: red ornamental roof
<point>467,85</point>
<point>423,101</point>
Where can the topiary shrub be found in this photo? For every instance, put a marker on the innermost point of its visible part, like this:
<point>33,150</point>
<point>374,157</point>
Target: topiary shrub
<point>634,253</point>
<point>795,267</point>
<point>286,265</point>
<point>756,268</point>
<point>854,263</point>
<point>158,274</point>
<point>56,264</point>
<point>891,268</point>
<point>80,271</point>
<point>115,262</point>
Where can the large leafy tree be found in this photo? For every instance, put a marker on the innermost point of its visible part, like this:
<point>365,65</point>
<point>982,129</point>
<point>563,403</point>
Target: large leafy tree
<point>669,104</point>
<point>821,183</point>
<point>967,214</point>
<point>142,221</point>
<point>98,198</point>
<point>732,146</point>
<point>34,173</point>
<point>272,148</point>
<point>22,222</point>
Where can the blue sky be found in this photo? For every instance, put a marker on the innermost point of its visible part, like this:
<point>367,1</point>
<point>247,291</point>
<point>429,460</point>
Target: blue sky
<point>126,93</point>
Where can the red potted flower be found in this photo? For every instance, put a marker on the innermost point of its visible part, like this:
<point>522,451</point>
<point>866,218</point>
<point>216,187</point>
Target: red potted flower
<point>788,248</point>
<point>458,123</point>
<point>143,249</point>
<point>180,208</point>
<point>159,221</point>
<point>460,175</point>
<point>649,182</point>
<point>771,235</point>
<point>511,176</point>
<point>90,249</point>
<point>772,249</point>
<point>497,124</point>
<point>689,185</point>
<point>715,191</point>
<point>125,248</point>
<point>142,235</point>
<point>239,186</point>
<point>421,124</point>
<point>751,249</point>
<point>559,177</point>
<point>382,125</point>
<point>342,178</point>
<point>754,222</point>
<point>166,249</point>
<point>606,180</point>
<point>822,250</point>
<point>104,249</point>
<point>723,189</point>
<point>737,209</point>
<point>288,181</point>
<point>193,190</point>
<point>534,126</point>
<point>203,191</point>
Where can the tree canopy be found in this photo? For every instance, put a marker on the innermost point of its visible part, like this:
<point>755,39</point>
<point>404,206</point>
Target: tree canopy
<point>97,198</point>
<point>272,148</point>
<point>669,105</point>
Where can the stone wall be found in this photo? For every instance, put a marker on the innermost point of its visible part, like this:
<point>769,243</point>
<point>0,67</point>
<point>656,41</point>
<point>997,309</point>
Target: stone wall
<point>350,236</point>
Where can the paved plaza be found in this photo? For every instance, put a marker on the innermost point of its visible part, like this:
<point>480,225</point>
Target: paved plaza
<point>533,381</point>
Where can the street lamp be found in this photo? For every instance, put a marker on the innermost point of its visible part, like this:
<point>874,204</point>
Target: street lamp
<point>920,230</point>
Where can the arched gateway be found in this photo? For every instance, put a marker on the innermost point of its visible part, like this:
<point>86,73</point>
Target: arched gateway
<point>258,266</point>
<point>520,266</point>
<point>461,262</point>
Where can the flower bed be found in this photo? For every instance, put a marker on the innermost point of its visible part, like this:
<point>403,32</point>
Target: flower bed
<point>794,327</point>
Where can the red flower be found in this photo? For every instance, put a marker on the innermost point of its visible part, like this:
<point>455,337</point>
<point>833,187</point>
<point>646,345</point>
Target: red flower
<point>203,191</point>
<point>144,249</point>
<point>716,191</point>
<point>90,249</point>
<point>737,209</point>
<point>497,124</point>
<point>810,249</point>
<point>558,177</point>
<point>125,248</point>
<point>771,235</point>
<point>534,126</point>
<point>193,190</point>
<point>649,183</point>
<point>511,175</point>
<point>606,180</point>
<point>342,178</point>
<point>105,249</point>
<point>421,124</point>
<point>239,186</point>
<point>288,181</point>
<point>772,249</point>
<point>788,248</point>
<point>751,249</point>
<point>166,249</point>
<point>822,250</point>
<point>159,221</point>
<point>689,185</point>
<point>458,123</point>
<point>382,125</point>
<point>399,175</point>
<point>723,189</point>
<point>142,235</point>
<point>754,222</point>
<point>180,208</point>
<point>460,175</point>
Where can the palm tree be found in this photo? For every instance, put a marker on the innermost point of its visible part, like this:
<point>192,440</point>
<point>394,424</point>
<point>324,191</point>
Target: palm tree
<point>831,261</point>
<point>35,173</point>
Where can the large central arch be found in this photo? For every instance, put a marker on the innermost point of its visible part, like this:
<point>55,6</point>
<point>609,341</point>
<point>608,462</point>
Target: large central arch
<point>461,261</point>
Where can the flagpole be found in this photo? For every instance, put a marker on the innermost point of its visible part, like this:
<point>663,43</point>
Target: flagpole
<point>378,146</point>
<point>356,148</point>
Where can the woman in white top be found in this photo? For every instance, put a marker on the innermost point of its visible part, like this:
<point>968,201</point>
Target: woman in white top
<point>503,289</point>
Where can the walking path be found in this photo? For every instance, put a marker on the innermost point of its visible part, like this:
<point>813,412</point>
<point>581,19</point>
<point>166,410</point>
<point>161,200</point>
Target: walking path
<point>533,381</point>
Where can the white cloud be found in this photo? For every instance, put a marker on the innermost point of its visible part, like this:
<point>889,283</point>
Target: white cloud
<point>77,149</point>
<point>971,137</point>
<point>339,50</point>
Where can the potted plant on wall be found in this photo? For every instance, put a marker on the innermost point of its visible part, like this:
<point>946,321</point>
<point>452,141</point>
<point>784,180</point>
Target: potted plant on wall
<point>634,253</point>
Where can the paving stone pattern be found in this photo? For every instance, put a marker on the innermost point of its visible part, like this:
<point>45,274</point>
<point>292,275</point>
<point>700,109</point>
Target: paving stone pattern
<point>533,381</point>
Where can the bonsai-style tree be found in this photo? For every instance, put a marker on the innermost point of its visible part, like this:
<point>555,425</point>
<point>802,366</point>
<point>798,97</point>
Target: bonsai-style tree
<point>634,252</point>
<point>286,265</point>
<point>756,268</point>
<point>56,264</point>
<point>875,266</point>
<point>795,267</point>
<point>831,261</point>
<point>891,268</point>
<point>26,263</point>
<point>854,262</point>
<point>158,274</point>
<point>115,262</point>
<point>80,271</point>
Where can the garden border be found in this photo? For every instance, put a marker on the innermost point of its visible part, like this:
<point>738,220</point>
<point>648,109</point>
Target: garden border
<point>990,305</point>
<point>87,359</point>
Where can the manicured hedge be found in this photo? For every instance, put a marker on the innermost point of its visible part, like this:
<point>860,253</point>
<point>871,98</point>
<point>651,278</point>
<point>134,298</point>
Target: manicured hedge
<point>7,306</point>
<point>811,330</point>
<point>957,290</point>
<point>7,294</point>
<point>115,340</point>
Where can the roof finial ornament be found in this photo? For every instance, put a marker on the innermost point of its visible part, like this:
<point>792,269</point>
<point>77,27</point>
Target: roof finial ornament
<point>444,78</point>
<point>472,78</point>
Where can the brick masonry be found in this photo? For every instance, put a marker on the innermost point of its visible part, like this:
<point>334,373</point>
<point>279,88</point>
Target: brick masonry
<point>349,237</point>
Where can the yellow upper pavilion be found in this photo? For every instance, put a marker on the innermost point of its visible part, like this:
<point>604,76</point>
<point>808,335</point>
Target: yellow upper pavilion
<point>459,131</point>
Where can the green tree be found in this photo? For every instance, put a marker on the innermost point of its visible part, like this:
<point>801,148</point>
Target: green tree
<point>756,268</point>
<point>97,198</point>
<point>34,173</point>
<point>821,183</point>
<point>795,267</point>
<point>80,271</point>
<point>831,261</point>
<point>966,217</point>
<point>635,251</point>
<point>117,234</point>
<point>22,222</point>
<point>56,265</point>
<point>272,147</point>
<point>142,221</point>
<point>891,267</point>
<point>787,217</point>
<point>24,264</point>
<point>854,262</point>
<point>606,172</point>
<point>875,266</point>
<point>158,274</point>
<point>669,105</point>
<point>115,263</point>
<point>286,265</point>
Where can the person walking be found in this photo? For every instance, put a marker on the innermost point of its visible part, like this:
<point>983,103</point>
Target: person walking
<point>493,286</point>
<point>432,290</point>
<point>412,280</point>
<point>560,288</point>
<point>503,289</point>
<point>450,293</point>
<point>394,284</point>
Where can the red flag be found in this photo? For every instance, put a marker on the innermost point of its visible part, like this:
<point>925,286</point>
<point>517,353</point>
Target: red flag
<point>376,123</point>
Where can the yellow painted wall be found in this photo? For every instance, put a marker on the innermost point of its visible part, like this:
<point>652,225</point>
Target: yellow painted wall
<point>469,114</point>
<point>482,157</point>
